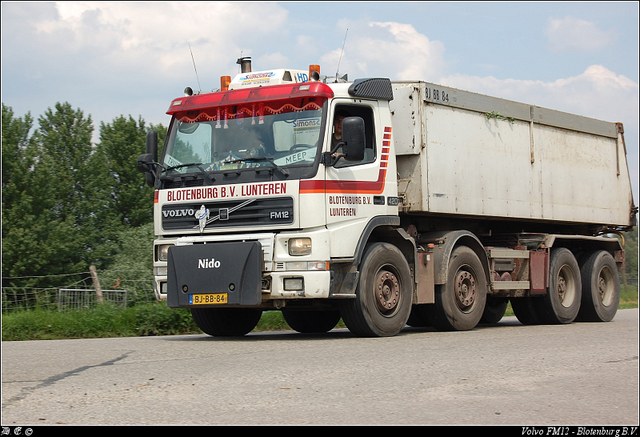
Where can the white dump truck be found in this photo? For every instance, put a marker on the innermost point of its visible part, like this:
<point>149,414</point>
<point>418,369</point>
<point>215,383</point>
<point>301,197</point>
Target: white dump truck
<point>384,204</point>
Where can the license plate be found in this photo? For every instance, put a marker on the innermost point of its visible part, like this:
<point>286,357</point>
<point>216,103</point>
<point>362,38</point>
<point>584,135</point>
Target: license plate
<point>208,299</point>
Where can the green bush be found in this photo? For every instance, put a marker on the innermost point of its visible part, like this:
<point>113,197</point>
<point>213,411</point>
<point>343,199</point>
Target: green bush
<point>109,321</point>
<point>103,321</point>
<point>145,320</point>
<point>159,319</point>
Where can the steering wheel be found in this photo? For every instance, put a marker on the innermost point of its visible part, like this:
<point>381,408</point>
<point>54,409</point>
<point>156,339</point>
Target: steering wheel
<point>297,147</point>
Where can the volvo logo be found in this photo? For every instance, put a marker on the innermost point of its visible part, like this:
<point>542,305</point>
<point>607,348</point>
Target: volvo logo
<point>178,212</point>
<point>223,214</point>
<point>202,215</point>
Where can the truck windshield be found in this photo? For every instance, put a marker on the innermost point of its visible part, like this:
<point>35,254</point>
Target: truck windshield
<point>274,134</point>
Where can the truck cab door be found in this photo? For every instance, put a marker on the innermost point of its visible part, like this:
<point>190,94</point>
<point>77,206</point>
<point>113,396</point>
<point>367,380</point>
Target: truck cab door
<point>357,191</point>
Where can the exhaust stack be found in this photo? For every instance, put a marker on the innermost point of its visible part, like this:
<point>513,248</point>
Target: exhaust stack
<point>245,64</point>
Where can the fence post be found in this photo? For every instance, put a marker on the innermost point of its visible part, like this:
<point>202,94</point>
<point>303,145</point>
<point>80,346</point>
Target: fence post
<point>96,282</point>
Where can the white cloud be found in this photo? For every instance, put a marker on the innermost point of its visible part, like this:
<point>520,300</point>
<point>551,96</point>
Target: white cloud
<point>158,34</point>
<point>413,53</point>
<point>386,49</point>
<point>597,92</point>
<point>573,34</point>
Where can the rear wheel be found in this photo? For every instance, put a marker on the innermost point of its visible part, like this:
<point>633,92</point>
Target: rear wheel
<point>311,321</point>
<point>600,288</point>
<point>562,301</point>
<point>383,297</point>
<point>460,302</point>
<point>226,322</point>
<point>525,310</point>
<point>418,317</point>
<point>494,310</point>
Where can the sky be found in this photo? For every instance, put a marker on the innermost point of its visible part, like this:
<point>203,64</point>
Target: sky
<point>132,58</point>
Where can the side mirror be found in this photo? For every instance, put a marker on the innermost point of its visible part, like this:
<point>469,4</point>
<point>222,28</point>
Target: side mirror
<point>147,162</point>
<point>354,138</point>
<point>152,143</point>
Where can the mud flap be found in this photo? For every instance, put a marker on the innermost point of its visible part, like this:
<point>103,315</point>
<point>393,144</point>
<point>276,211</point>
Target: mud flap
<point>214,274</point>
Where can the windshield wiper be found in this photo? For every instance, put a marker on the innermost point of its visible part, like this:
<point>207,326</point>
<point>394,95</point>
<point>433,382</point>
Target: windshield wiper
<point>284,171</point>
<point>198,165</point>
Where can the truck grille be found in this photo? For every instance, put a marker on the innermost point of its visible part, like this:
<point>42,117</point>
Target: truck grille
<point>256,212</point>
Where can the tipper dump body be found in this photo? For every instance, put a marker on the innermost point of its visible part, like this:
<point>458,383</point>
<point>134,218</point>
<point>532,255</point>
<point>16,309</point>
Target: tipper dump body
<point>466,154</point>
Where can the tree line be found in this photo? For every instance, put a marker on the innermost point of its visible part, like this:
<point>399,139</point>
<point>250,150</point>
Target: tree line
<point>67,203</point>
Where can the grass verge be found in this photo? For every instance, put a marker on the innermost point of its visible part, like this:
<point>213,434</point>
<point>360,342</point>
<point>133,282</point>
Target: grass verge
<point>147,319</point>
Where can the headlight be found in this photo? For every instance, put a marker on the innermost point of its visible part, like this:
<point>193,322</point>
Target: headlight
<point>163,251</point>
<point>299,246</point>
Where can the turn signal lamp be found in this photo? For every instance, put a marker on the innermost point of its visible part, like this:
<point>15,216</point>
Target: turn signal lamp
<point>162,253</point>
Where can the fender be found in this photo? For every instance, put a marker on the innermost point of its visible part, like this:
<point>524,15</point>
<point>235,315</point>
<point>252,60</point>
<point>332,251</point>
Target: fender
<point>385,221</point>
<point>387,229</point>
<point>445,242</point>
<point>379,228</point>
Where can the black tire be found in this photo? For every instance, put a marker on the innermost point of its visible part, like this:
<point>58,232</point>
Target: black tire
<point>600,288</point>
<point>418,317</point>
<point>311,321</point>
<point>383,296</point>
<point>562,301</point>
<point>226,322</point>
<point>525,310</point>
<point>494,310</point>
<point>460,302</point>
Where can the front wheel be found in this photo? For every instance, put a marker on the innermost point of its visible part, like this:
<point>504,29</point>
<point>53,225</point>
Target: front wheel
<point>383,297</point>
<point>311,321</point>
<point>226,322</point>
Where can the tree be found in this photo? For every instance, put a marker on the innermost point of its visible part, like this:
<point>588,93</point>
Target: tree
<point>45,210</point>
<point>64,141</point>
<point>631,256</point>
<point>121,142</point>
<point>67,204</point>
<point>17,156</point>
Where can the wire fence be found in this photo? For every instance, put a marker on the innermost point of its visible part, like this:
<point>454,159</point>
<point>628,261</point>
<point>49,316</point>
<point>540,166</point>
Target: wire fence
<point>631,281</point>
<point>80,299</point>
<point>76,291</point>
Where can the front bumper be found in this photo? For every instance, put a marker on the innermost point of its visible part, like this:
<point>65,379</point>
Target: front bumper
<point>245,270</point>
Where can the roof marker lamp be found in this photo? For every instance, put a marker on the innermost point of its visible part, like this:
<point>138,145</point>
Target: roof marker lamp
<point>314,73</point>
<point>224,83</point>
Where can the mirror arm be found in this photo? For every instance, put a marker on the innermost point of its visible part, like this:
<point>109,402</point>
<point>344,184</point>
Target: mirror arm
<point>329,158</point>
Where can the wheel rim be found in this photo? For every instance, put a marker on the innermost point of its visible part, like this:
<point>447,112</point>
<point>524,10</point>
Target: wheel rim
<point>387,292</point>
<point>566,286</point>
<point>606,287</point>
<point>465,290</point>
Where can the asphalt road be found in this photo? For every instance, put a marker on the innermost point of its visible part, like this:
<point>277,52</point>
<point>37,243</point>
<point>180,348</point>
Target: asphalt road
<point>510,374</point>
